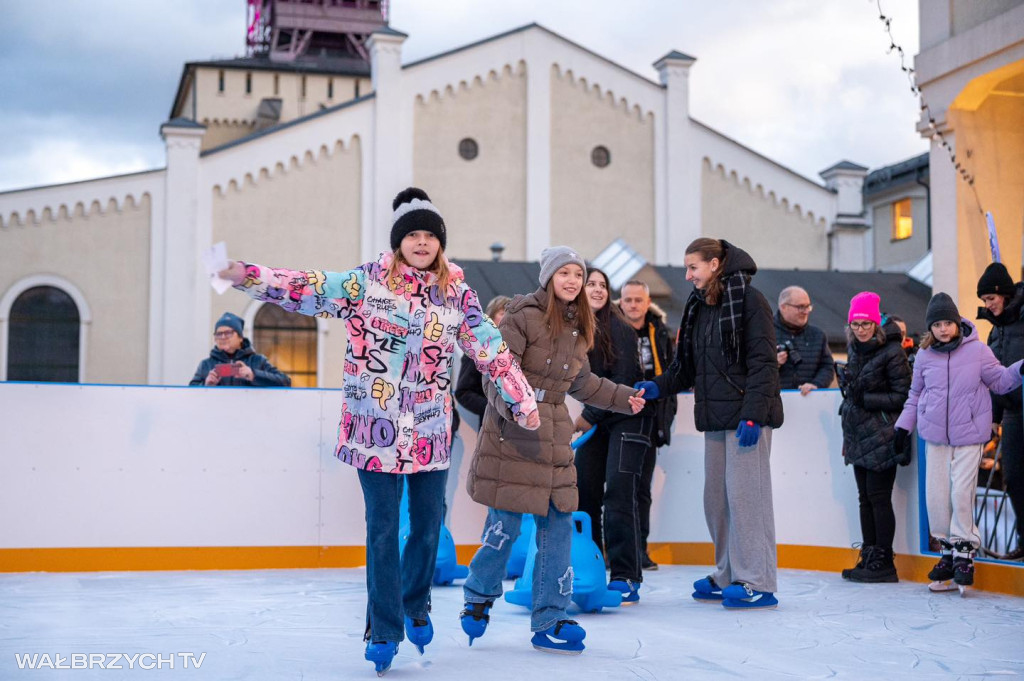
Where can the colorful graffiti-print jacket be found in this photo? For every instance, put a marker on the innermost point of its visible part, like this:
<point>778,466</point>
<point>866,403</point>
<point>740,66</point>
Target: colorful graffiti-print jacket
<point>398,364</point>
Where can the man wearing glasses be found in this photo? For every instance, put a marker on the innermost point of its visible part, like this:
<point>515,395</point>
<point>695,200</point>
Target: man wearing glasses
<point>805,362</point>
<point>233,362</point>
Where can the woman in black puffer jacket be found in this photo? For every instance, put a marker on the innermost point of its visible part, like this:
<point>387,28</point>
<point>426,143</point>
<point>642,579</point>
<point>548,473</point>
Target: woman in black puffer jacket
<point>877,383</point>
<point>609,464</point>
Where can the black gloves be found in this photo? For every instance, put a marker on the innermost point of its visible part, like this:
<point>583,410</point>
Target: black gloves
<point>902,439</point>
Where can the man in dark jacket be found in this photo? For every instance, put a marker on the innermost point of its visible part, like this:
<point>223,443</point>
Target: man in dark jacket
<point>805,362</point>
<point>1004,308</point>
<point>233,361</point>
<point>656,346</point>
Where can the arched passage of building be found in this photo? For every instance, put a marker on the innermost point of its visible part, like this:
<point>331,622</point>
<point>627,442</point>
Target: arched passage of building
<point>43,325</point>
<point>289,341</point>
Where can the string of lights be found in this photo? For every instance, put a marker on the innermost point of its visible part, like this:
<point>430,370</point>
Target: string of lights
<point>965,175</point>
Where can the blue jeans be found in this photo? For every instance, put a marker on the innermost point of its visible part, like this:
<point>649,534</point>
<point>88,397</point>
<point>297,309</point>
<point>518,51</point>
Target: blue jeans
<point>552,572</point>
<point>395,589</point>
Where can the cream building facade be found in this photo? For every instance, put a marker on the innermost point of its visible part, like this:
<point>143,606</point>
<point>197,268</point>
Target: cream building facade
<point>525,138</point>
<point>971,73</point>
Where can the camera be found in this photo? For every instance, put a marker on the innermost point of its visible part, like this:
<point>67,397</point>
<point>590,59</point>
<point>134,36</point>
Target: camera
<point>226,370</point>
<point>788,347</point>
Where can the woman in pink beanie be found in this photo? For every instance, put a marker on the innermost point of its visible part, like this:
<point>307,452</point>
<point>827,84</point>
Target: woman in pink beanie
<point>874,389</point>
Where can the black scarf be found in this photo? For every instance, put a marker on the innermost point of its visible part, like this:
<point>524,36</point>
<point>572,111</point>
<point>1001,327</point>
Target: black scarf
<point>954,343</point>
<point>730,322</point>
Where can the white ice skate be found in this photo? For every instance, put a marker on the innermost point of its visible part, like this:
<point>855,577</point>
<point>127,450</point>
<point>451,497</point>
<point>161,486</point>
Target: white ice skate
<point>942,586</point>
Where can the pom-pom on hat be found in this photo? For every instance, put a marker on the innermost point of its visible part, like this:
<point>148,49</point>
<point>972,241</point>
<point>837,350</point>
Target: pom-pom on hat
<point>996,280</point>
<point>232,321</point>
<point>554,258</point>
<point>414,212</point>
<point>865,305</point>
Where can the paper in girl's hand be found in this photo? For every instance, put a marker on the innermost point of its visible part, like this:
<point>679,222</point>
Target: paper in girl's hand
<point>215,259</point>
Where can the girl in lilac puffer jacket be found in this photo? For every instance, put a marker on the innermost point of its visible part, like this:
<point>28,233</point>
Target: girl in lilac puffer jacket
<point>950,404</point>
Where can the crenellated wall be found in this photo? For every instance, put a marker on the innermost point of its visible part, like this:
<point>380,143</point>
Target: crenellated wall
<point>103,252</point>
<point>776,233</point>
<point>592,206</point>
<point>483,200</point>
<point>316,191</point>
<point>305,215</point>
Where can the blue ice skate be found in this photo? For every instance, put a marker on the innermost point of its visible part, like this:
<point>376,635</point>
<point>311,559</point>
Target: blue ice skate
<point>629,589</point>
<point>565,637</point>
<point>474,619</point>
<point>705,590</point>
<point>380,653</point>
<point>739,596</point>
<point>419,632</point>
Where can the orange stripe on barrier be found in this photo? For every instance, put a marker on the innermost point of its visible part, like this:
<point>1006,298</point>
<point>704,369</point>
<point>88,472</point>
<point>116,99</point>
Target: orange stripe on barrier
<point>997,577</point>
<point>180,558</point>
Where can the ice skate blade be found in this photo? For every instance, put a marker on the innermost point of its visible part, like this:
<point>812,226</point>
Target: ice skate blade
<point>963,590</point>
<point>559,651</point>
<point>382,672</point>
<point>942,586</point>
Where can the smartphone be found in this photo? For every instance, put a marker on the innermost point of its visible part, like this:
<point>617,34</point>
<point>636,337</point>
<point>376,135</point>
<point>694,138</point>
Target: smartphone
<point>225,370</point>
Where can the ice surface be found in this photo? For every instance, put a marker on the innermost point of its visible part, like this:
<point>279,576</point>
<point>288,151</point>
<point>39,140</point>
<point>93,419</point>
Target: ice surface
<point>308,624</point>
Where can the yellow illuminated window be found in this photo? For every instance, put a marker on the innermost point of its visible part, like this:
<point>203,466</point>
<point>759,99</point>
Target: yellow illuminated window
<point>902,220</point>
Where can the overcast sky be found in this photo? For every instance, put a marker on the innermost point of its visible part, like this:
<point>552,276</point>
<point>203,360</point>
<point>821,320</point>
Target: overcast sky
<point>86,84</point>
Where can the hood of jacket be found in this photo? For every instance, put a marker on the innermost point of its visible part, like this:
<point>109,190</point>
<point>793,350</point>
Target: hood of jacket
<point>737,260</point>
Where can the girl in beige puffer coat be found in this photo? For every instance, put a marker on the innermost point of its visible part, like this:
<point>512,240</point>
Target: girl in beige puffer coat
<point>517,471</point>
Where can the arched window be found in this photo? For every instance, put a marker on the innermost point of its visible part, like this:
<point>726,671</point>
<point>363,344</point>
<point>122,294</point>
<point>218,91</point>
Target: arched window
<point>43,336</point>
<point>289,341</point>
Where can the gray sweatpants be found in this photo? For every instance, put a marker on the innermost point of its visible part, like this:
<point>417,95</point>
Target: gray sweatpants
<point>738,509</point>
<point>951,478</point>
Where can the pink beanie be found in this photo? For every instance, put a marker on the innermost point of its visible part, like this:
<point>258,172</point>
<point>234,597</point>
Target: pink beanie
<point>864,305</point>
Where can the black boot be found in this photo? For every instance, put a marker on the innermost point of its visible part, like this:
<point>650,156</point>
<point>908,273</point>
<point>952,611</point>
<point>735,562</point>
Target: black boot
<point>860,562</point>
<point>878,566</point>
<point>943,570</point>
<point>963,563</point>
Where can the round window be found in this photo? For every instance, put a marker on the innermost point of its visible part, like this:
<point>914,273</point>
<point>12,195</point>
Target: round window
<point>600,156</point>
<point>468,149</point>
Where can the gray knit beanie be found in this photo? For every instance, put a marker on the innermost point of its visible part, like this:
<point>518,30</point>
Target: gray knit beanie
<point>554,258</point>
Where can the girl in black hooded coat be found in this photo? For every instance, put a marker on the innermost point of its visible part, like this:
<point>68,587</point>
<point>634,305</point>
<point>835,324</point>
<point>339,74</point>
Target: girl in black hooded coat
<point>726,354</point>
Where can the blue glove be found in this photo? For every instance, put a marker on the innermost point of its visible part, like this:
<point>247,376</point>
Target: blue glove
<point>650,389</point>
<point>748,432</point>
